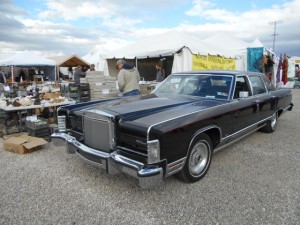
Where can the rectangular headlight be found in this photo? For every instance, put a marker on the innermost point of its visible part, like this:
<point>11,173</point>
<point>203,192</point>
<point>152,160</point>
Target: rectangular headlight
<point>61,123</point>
<point>153,151</point>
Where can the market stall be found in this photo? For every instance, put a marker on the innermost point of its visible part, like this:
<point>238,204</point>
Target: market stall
<point>68,61</point>
<point>31,89</point>
<point>15,112</point>
<point>29,67</point>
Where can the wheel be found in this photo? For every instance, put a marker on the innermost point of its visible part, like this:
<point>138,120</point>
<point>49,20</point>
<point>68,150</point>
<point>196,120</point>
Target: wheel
<point>198,160</point>
<point>271,124</point>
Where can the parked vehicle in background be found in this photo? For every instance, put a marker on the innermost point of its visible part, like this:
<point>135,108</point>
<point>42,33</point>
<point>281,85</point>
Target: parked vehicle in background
<point>176,128</point>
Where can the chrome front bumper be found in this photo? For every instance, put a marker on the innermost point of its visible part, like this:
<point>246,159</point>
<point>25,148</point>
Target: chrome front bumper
<point>113,162</point>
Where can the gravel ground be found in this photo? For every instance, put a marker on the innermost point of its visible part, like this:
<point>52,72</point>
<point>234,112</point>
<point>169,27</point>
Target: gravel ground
<point>255,181</point>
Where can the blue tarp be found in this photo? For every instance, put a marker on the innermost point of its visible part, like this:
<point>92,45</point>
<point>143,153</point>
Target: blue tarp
<point>254,59</point>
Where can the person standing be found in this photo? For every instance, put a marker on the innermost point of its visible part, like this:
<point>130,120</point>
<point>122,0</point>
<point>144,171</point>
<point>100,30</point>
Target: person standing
<point>78,73</point>
<point>21,76</point>
<point>2,77</point>
<point>297,71</point>
<point>160,74</point>
<point>128,78</point>
<point>92,68</point>
<point>70,72</point>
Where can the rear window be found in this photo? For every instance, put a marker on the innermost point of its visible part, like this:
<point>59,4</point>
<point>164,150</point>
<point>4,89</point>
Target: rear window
<point>268,83</point>
<point>258,85</point>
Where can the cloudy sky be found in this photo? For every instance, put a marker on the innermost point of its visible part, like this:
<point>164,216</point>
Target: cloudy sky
<point>60,27</point>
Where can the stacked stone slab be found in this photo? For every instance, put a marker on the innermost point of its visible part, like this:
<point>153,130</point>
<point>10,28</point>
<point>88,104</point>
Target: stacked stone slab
<point>101,86</point>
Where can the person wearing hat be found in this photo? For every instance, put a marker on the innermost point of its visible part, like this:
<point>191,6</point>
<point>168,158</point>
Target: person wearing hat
<point>128,78</point>
<point>78,73</point>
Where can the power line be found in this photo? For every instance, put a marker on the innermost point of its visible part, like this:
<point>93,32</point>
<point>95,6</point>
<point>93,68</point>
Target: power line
<point>275,34</point>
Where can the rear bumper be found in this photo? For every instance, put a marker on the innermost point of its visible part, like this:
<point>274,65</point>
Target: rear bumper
<point>113,162</point>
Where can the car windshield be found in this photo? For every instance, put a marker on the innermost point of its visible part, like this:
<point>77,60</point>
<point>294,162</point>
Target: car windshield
<point>208,86</point>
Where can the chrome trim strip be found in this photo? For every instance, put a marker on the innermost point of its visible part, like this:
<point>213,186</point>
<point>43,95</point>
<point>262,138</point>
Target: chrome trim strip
<point>203,130</point>
<point>100,113</point>
<point>207,128</point>
<point>175,166</point>
<point>236,140</point>
<point>288,107</point>
<point>246,128</point>
<point>248,133</point>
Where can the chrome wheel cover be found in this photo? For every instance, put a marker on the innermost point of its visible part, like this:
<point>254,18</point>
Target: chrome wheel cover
<point>274,122</point>
<point>199,158</point>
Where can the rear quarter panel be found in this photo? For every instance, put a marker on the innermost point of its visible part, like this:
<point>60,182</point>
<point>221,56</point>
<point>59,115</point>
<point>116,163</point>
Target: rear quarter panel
<point>284,98</point>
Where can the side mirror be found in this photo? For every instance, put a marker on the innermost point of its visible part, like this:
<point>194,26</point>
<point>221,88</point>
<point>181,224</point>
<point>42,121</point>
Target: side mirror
<point>243,94</point>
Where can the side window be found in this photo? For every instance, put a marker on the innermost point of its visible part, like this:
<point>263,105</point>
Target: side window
<point>240,85</point>
<point>257,85</point>
<point>268,83</point>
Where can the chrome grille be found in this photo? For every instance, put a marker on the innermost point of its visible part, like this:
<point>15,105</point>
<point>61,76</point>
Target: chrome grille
<point>75,123</point>
<point>61,123</point>
<point>98,131</point>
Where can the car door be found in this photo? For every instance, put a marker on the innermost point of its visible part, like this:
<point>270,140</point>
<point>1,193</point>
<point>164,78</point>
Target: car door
<point>244,110</point>
<point>265,101</point>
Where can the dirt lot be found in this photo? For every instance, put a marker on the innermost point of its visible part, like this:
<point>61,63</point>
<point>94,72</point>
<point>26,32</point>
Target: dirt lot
<point>255,181</point>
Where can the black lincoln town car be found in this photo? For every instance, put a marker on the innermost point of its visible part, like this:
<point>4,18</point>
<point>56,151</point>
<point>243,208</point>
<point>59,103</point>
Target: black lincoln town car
<point>175,129</point>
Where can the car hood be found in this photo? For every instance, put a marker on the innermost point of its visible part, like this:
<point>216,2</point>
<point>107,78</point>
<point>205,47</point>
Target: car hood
<point>151,108</point>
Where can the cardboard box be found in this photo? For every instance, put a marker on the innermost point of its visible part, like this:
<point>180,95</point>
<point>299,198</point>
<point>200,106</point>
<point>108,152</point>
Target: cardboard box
<point>21,143</point>
<point>146,89</point>
<point>51,120</point>
<point>50,95</point>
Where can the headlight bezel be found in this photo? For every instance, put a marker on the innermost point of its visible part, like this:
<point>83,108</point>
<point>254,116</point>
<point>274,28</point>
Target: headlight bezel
<point>153,151</point>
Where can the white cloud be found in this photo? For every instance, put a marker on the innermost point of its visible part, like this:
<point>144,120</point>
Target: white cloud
<point>76,26</point>
<point>72,10</point>
<point>200,7</point>
<point>250,24</point>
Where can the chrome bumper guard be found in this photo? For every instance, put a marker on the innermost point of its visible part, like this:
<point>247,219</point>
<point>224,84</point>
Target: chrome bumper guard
<point>113,163</point>
<point>290,107</point>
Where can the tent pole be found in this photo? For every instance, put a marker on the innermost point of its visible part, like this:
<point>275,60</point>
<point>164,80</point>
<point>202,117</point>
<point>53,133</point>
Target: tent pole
<point>55,73</point>
<point>136,65</point>
<point>12,74</point>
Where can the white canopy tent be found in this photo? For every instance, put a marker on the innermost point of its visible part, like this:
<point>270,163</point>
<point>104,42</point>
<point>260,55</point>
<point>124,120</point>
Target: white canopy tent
<point>29,59</point>
<point>176,48</point>
<point>162,46</point>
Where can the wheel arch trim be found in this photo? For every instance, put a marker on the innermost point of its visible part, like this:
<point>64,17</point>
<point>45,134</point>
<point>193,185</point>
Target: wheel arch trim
<point>205,130</point>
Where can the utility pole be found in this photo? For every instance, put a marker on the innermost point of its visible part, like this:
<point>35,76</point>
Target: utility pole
<point>275,34</point>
